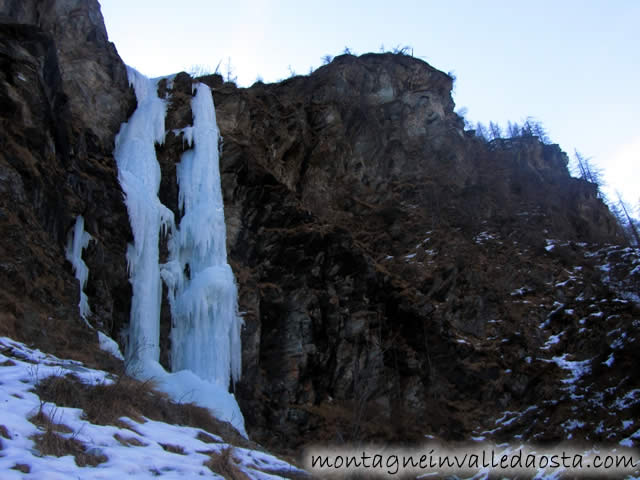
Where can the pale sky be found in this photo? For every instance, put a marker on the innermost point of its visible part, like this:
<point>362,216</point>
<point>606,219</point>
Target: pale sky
<point>574,65</point>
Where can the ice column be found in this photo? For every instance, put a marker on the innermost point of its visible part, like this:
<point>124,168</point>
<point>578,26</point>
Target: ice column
<point>205,337</point>
<point>139,175</point>
<point>77,241</point>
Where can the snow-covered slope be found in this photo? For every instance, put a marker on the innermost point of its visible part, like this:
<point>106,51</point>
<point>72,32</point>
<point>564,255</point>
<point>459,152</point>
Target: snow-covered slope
<point>40,439</point>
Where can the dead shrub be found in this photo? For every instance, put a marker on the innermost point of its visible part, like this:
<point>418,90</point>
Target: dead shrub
<point>223,463</point>
<point>52,443</point>
<point>63,390</point>
<point>4,431</point>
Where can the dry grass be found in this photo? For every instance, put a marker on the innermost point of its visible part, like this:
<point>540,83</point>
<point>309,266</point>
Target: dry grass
<point>106,404</point>
<point>44,422</point>
<point>199,417</point>
<point>167,447</point>
<point>8,363</point>
<point>128,441</point>
<point>223,463</point>
<point>206,438</point>
<point>52,443</point>
<point>22,467</point>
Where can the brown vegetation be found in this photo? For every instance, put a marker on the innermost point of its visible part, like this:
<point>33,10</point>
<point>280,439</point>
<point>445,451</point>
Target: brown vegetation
<point>128,441</point>
<point>173,448</point>
<point>206,438</point>
<point>22,467</point>
<point>52,443</point>
<point>223,463</point>
<point>44,422</point>
<point>105,404</point>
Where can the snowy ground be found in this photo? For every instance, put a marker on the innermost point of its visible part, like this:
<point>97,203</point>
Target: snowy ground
<point>149,449</point>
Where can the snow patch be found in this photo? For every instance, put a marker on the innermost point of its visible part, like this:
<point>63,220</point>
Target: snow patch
<point>570,425</point>
<point>483,237</point>
<point>553,339</point>
<point>609,361</point>
<point>577,369</point>
<point>109,345</point>
<point>629,399</point>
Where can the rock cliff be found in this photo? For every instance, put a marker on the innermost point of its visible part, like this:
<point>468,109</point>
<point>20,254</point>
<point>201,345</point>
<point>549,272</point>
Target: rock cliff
<point>375,241</point>
<point>395,273</point>
<point>64,94</point>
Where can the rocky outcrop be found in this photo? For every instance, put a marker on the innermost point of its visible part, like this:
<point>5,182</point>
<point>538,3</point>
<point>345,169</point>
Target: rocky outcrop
<point>92,74</point>
<point>358,215</point>
<point>64,94</point>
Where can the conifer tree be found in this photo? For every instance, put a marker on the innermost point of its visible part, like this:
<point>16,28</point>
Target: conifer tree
<point>481,131</point>
<point>630,223</point>
<point>495,131</point>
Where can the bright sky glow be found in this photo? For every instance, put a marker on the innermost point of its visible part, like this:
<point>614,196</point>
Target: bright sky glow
<point>572,64</point>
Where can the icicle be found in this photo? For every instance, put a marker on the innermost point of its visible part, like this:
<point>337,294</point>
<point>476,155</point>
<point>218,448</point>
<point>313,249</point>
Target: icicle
<point>187,136</point>
<point>77,241</point>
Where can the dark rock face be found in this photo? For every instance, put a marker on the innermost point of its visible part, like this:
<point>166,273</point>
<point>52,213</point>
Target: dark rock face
<point>93,75</point>
<point>64,94</point>
<point>375,242</point>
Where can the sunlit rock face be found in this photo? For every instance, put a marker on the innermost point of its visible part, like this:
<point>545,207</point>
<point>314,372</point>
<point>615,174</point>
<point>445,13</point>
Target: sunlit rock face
<point>92,74</point>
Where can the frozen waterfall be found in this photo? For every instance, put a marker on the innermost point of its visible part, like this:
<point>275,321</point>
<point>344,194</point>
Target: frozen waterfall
<point>139,175</point>
<point>77,241</point>
<point>205,333</point>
